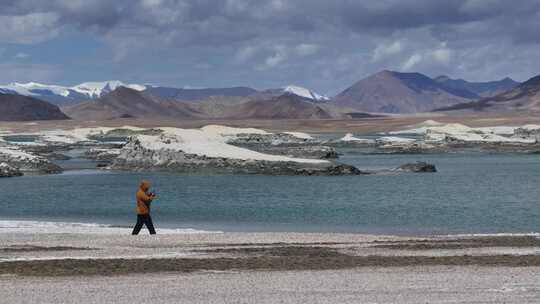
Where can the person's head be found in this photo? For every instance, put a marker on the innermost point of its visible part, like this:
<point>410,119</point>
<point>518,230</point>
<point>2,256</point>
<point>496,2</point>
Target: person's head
<point>145,185</point>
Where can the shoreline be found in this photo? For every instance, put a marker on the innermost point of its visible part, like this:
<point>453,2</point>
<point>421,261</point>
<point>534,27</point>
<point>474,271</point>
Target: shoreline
<point>62,226</point>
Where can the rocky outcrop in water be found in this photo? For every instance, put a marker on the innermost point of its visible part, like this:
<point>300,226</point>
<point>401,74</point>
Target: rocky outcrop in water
<point>27,162</point>
<point>137,156</point>
<point>284,144</point>
<point>418,167</point>
<point>528,132</point>
<point>268,139</point>
<point>9,171</point>
<point>303,151</point>
<point>102,154</point>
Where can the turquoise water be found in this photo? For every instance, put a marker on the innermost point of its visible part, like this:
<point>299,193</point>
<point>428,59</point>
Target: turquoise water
<point>471,193</point>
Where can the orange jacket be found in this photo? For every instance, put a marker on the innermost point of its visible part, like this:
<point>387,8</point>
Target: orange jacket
<point>143,202</point>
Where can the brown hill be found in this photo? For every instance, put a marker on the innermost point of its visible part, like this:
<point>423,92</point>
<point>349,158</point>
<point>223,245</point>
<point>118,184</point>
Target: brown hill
<point>124,102</point>
<point>199,94</point>
<point>24,108</point>
<point>393,92</point>
<point>282,107</point>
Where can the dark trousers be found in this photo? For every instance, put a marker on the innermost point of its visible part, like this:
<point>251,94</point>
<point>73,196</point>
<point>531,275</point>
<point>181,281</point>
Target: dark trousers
<point>143,219</point>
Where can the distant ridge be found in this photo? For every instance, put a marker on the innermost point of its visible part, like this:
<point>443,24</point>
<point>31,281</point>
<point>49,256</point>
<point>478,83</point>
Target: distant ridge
<point>524,97</point>
<point>129,103</point>
<point>480,89</point>
<point>286,106</point>
<point>198,94</point>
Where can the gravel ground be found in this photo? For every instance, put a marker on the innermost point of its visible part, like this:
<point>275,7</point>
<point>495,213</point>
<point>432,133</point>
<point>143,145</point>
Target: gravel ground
<point>366,285</point>
<point>34,245</point>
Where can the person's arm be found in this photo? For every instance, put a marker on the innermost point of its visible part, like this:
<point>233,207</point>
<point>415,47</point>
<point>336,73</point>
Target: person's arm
<point>146,198</point>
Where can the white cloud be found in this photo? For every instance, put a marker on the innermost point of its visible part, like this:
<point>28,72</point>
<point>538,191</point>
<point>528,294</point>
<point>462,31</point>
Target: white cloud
<point>21,56</point>
<point>151,3</point>
<point>246,53</point>
<point>306,49</point>
<point>236,6</point>
<point>411,62</point>
<point>384,50</point>
<point>442,54</point>
<point>278,56</point>
<point>278,4</point>
<point>28,29</point>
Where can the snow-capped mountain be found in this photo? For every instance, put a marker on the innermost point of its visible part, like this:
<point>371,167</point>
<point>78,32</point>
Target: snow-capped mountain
<point>65,95</point>
<point>98,89</point>
<point>306,93</point>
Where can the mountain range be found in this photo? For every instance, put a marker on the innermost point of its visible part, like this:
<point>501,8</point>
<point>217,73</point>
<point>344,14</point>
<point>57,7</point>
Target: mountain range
<point>62,95</point>
<point>129,103</point>
<point>395,92</point>
<point>383,92</point>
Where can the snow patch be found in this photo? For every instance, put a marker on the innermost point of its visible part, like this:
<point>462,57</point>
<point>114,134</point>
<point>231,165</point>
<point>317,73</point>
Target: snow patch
<point>89,89</point>
<point>207,143</point>
<point>98,89</point>
<point>394,139</point>
<point>231,131</point>
<point>437,132</point>
<point>17,154</point>
<point>303,92</point>
<point>349,137</point>
<point>299,135</point>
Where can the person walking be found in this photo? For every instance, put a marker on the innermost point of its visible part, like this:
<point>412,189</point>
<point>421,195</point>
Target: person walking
<point>144,200</point>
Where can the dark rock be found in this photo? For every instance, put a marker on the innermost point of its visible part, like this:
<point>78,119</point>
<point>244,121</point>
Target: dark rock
<point>267,139</point>
<point>9,171</point>
<point>299,151</point>
<point>418,167</point>
<point>56,156</point>
<point>101,154</point>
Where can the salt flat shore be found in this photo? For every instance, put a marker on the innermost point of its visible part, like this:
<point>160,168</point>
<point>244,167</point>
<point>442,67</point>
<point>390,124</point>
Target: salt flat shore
<point>363,126</point>
<point>433,284</point>
<point>202,267</point>
<point>106,253</point>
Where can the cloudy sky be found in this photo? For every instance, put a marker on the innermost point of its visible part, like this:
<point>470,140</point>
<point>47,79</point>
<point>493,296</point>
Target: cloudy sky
<point>322,44</point>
